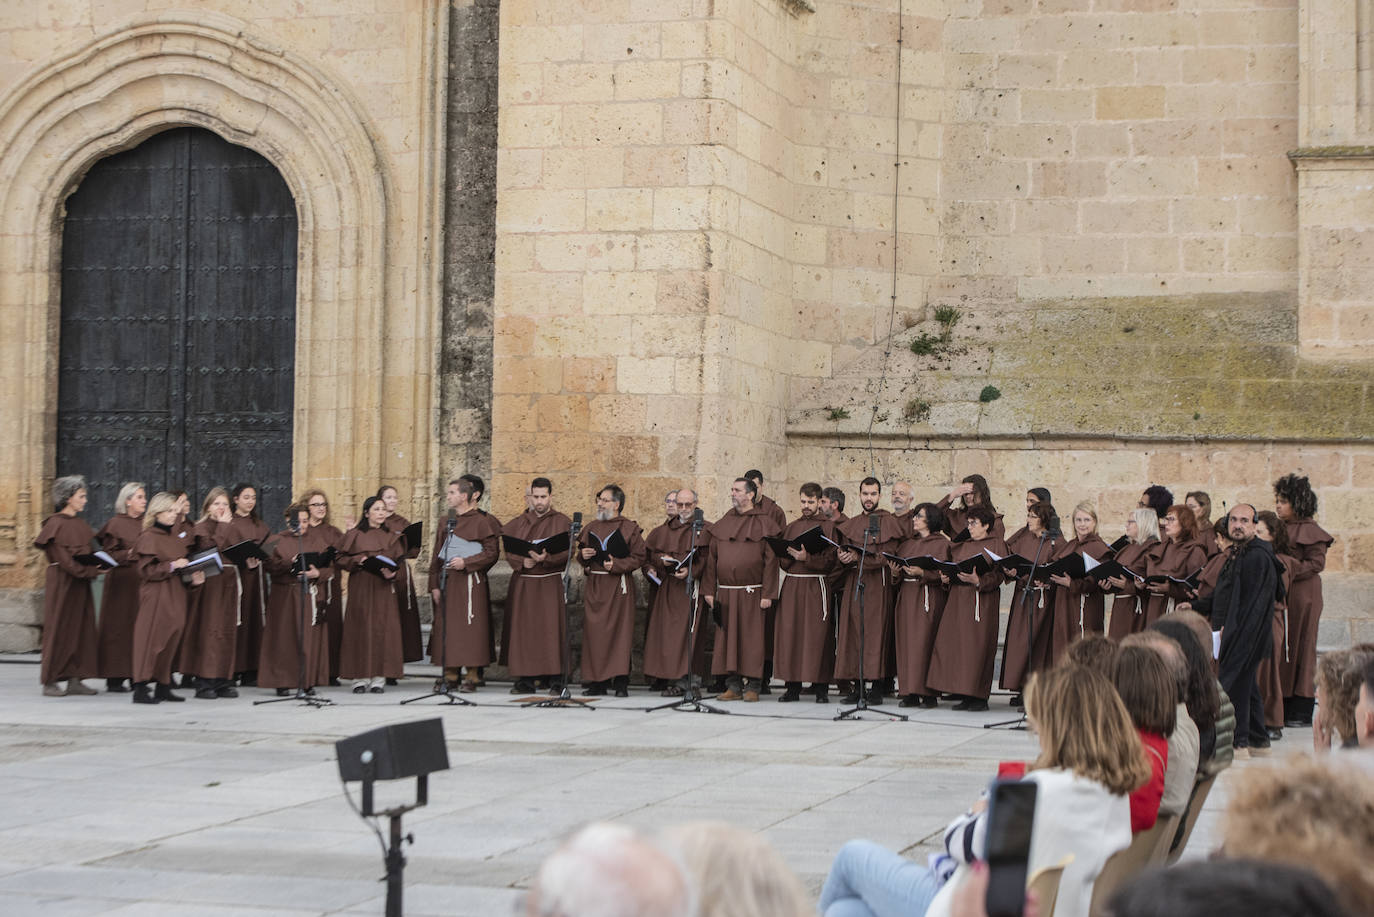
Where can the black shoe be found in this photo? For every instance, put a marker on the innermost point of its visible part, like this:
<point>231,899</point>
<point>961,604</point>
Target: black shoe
<point>930,701</point>
<point>822,697</point>
<point>115,686</point>
<point>164,692</point>
<point>594,690</point>
<point>850,698</point>
<point>1259,742</point>
<point>622,691</point>
<point>1017,702</point>
<point>717,687</point>
<point>335,683</point>
<point>972,705</point>
<point>1274,733</point>
<point>283,692</point>
<point>910,700</point>
<point>205,692</point>
<point>144,696</point>
<point>790,696</point>
<point>522,686</point>
<point>226,688</point>
<point>875,698</point>
<point>390,683</point>
<point>1297,723</point>
<point>248,679</point>
<point>765,689</point>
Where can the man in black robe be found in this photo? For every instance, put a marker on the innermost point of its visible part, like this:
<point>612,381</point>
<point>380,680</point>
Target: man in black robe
<point>1241,607</point>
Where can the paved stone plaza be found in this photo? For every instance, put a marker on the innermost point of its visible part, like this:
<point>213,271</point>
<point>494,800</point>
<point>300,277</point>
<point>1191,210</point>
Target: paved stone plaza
<point>221,808</point>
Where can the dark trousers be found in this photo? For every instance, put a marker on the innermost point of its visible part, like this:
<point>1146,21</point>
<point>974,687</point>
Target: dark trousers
<point>1249,706</point>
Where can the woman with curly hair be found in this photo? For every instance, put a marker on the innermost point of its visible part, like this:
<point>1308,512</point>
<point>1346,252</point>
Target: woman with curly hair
<point>1296,505</point>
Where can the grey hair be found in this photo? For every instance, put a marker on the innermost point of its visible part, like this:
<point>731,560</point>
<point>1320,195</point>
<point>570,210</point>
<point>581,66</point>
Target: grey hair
<point>63,489</point>
<point>1146,524</point>
<point>609,870</point>
<point>126,493</point>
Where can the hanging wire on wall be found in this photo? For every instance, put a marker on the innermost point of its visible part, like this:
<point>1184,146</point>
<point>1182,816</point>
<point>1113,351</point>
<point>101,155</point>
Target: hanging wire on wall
<point>896,197</point>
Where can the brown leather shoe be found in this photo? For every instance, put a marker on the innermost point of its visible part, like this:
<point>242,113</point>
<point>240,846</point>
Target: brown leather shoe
<point>732,694</point>
<point>74,686</point>
<point>54,690</point>
<point>751,697</point>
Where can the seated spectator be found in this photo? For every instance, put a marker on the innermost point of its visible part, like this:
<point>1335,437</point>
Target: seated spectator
<point>1147,689</point>
<point>607,870</point>
<point>1090,758</point>
<point>1094,651</point>
<point>1222,750</point>
<point>1364,710</point>
<point>1339,676</point>
<point>1225,888</point>
<point>1181,772</point>
<point>737,872</point>
<point>1317,814</point>
<point>1202,695</point>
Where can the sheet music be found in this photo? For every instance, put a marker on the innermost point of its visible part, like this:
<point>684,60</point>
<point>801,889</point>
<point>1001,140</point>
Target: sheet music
<point>459,547</point>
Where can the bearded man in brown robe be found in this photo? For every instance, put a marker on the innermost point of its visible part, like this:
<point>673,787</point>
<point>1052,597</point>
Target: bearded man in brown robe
<point>674,636</point>
<point>536,628</point>
<point>608,605</point>
<point>876,592</point>
<point>738,566</point>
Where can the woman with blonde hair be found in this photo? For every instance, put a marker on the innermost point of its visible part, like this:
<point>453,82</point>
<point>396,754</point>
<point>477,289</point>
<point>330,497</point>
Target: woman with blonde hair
<point>1090,759</point>
<point>737,873</point>
<point>1078,604</point>
<point>212,613</point>
<point>119,600</point>
<point>161,554</point>
<point>330,582</point>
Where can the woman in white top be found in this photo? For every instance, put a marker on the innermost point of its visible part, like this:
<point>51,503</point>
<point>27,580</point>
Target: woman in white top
<point>1090,759</point>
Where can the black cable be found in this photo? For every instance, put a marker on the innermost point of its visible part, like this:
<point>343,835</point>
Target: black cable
<point>368,820</point>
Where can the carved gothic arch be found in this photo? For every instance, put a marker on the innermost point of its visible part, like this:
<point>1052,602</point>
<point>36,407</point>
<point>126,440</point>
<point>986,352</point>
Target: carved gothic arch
<point>205,70</point>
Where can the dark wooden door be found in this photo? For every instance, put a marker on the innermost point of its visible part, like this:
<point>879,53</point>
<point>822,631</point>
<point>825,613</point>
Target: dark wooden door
<point>178,327</point>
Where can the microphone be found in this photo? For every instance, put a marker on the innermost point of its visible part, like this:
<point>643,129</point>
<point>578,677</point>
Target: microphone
<point>875,526</point>
<point>697,520</point>
<point>452,521</point>
<point>295,526</point>
<point>576,524</point>
<point>1054,529</point>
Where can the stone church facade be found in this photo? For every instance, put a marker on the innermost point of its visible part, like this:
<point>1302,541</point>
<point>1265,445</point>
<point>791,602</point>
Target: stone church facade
<point>1084,244</point>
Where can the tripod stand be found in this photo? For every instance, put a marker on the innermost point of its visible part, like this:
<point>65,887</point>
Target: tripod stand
<point>565,698</point>
<point>302,694</point>
<point>874,527</point>
<point>442,689</point>
<point>691,701</point>
<point>1020,721</point>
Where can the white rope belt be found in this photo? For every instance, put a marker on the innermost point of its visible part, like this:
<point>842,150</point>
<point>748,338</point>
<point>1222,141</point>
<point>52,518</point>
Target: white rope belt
<point>623,589</point>
<point>783,577</point>
<point>977,596</point>
<point>749,590</point>
<point>238,598</point>
<point>1285,635</point>
<point>1082,599</point>
<point>537,575</point>
<point>478,577</point>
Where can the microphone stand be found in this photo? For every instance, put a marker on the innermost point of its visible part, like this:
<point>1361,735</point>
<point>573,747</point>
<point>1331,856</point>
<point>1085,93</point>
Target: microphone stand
<point>691,701</point>
<point>442,689</point>
<point>302,694</point>
<point>873,530</point>
<point>565,698</point>
<point>1020,722</point>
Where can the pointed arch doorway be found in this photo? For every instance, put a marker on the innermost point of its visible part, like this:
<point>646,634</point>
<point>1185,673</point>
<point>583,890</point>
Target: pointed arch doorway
<point>178,322</point>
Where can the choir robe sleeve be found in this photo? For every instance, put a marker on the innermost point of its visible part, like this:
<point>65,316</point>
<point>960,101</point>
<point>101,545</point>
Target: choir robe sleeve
<point>283,556</point>
<point>154,569</point>
<point>710,576</point>
<point>994,578</point>
<point>350,557</point>
<point>59,553</point>
<point>1193,559</point>
<point>484,560</point>
<point>1309,553</point>
<point>114,545</point>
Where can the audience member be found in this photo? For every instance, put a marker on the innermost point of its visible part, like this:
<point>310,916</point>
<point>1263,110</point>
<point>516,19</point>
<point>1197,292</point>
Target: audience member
<point>1181,771</point>
<point>1225,888</point>
<point>1364,710</point>
<point>1094,651</point>
<point>1090,758</point>
<point>1147,690</point>
<point>1339,676</point>
<point>1202,695</point>
<point>1317,814</point>
<point>737,873</point>
<point>607,870</point>
<point>1224,728</point>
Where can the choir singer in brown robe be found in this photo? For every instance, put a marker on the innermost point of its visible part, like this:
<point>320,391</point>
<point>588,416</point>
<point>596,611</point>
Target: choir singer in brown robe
<point>212,609</point>
<point>1295,503</point>
<point>1128,595</point>
<point>412,649</point>
<point>119,601</point>
<point>371,651</point>
<point>330,582</point>
<point>1078,604</point>
<point>920,604</point>
<point>966,644</point>
<point>536,628</point>
<point>877,594</point>
<point>69,638</point>
<point>161,621</point>
<point>674,641</point>
<point>608,604</point>
<point>296,628</point>
<point>1036,541</point>
<point>804,632</point>
<point>461,635</point>
<point>739,579</point>
<point>247,526</point>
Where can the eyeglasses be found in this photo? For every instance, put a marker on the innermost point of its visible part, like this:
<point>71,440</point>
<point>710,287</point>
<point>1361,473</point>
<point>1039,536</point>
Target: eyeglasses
<point>317,505</point>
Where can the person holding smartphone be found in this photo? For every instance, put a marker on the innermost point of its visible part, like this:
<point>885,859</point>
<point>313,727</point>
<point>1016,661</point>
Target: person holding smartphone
<point>1082,777</point>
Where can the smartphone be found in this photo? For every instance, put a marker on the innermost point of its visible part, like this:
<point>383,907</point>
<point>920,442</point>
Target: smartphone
<point>1011,816</point>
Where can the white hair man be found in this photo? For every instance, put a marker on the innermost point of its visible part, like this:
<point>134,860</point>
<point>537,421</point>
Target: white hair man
<point>607,870</point>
